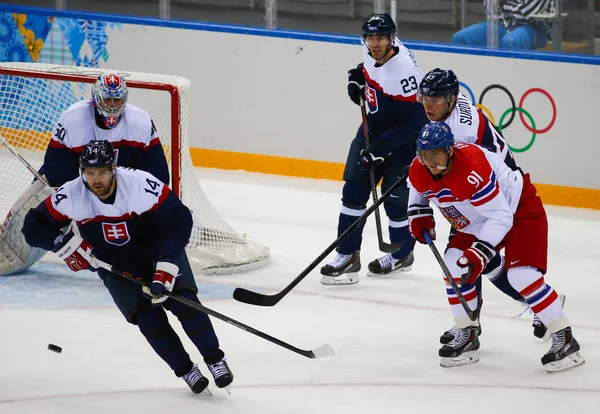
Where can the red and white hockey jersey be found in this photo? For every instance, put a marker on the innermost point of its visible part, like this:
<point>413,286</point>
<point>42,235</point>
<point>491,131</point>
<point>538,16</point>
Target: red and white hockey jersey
<point>479,196</point>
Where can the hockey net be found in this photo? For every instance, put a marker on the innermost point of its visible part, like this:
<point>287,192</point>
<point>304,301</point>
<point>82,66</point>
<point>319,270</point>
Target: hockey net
<point>32,98</point>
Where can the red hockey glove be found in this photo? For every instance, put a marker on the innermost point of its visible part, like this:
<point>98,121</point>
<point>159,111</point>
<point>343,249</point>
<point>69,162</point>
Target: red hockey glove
<point>76,252</point>
<point>475,258</point>
<point>420,220</point>
<point>163,281</point>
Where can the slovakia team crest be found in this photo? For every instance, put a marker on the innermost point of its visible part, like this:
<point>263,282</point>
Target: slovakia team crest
<point>112,82</point>
<point>116,233</point>
<point>371,97</point>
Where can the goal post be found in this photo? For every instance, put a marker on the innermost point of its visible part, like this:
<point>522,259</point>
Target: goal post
<point>34,95</point>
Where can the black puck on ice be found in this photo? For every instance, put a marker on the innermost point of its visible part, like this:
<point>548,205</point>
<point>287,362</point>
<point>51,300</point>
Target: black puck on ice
<point>55,348</point>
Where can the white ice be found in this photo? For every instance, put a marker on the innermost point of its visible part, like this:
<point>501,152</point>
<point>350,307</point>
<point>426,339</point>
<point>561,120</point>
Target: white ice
<point>385,331</point>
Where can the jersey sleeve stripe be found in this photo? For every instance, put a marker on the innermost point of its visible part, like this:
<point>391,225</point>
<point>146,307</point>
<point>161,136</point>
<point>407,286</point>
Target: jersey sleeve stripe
<point>495,191</point>
<point>373,84</point>
<point>57,215</point>
<point>481,127</point>
<point>163,196</point>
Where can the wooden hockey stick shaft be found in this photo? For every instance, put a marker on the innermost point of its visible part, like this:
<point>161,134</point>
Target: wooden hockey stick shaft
<point>259,299</point>
<point>320,352</point>
<point>23,161</point>
<point>383,246</point>
<point>472,314</point>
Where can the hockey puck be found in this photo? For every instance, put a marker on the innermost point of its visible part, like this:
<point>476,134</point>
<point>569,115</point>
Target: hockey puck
<point>55,348</point>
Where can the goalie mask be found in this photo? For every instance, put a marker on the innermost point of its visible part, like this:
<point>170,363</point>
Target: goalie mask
<point>109,95</point>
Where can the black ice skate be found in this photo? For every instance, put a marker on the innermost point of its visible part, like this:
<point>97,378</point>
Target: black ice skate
<point>564,352</point>
<point>342,271</point>
<point>450,334</point>
<point>196,381</point>
<point>461,350</point>
<point>388,265</point>
<point>221,373</point>
<point>539,329</point>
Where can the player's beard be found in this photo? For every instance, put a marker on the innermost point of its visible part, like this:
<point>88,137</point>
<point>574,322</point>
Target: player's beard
<point>102,190</point>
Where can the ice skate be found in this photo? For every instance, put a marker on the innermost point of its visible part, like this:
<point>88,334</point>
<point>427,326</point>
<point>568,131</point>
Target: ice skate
<point>539,329</point>
<point>387,265</point>
<point>222,374</point>
<point>196,381</point>
<point>564,352</point>
<point>342,271</point>
<point>461,350</point>
<point>451,333</point>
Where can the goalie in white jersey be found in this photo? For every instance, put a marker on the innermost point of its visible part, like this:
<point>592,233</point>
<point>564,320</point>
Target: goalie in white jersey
<point>440,96</point>
<point>107,115</point>
<point>134,222</point>
<point>491,207</point>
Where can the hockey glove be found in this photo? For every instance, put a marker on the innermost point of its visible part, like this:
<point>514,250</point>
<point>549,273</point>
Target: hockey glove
<point>374,156</point>
<point>475,258</point>
<point>76,252</point>
<point>356,84</point>
<point>163,281</point>
<point>420,220</point>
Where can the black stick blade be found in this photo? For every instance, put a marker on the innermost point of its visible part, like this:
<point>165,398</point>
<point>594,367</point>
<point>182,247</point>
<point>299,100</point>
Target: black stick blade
<point>255,298</point>
<point>390,248</point>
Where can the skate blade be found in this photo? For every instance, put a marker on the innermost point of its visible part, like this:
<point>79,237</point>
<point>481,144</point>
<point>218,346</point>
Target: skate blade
<point>467,358</point>
<point>343,279</point>
<point>393,272</point>
<point>206,392</point>
<point>227,389</point>
<point>570,361</point>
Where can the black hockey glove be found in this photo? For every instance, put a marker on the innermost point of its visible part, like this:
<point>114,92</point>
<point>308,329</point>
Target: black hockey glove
<point>356,84</point>
<point>374,156</point>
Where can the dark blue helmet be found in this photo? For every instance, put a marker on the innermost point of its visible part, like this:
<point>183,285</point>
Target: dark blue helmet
<point>435,135</point>
<point>378,23</point>
<point>97,154</point>
<point>439,82</point>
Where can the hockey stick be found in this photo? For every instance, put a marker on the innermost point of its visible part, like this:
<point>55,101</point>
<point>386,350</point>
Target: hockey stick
<point>255,298</point>
<point>383,246</point>
<point>23,161</point>
<point>473,315</point>
<point>320,352</point>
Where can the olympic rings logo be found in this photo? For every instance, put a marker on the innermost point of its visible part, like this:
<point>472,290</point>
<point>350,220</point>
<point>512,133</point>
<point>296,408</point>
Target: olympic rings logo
<point>512,111</point>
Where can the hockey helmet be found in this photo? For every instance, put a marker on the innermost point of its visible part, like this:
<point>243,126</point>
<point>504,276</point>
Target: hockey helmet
<point>97,154</point>
<point>435,135</point>
<point>109,95</point>
<point>379,24</point>
<point>439,82</point>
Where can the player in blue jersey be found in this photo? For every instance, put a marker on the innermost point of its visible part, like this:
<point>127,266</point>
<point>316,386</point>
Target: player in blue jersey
<point>133,221</point>
<point>387,81</point>
<point>439,92</point>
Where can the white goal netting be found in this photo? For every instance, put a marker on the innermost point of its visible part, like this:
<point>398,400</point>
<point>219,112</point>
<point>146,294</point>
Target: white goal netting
<point>32,98</point>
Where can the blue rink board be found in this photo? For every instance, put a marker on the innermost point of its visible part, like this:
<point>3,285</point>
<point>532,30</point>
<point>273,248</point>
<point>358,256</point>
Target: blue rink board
<point>298,34</point>
<point>53,286</point>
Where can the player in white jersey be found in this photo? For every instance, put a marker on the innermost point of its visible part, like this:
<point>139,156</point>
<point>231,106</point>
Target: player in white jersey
<point>491,207</point>
<point>387,82</point>
<point>133,221</point>
<point>440,96</point>
<point>107,115</point>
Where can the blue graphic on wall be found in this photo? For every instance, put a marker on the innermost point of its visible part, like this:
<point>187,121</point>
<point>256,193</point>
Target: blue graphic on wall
<point>56,40</point>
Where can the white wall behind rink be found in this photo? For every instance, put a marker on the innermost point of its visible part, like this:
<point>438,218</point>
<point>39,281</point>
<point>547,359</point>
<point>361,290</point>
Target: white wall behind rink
<point>287,97</point>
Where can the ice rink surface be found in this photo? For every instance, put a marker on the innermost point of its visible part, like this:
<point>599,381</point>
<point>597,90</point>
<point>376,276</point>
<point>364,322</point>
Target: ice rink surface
<point>385,331</point>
